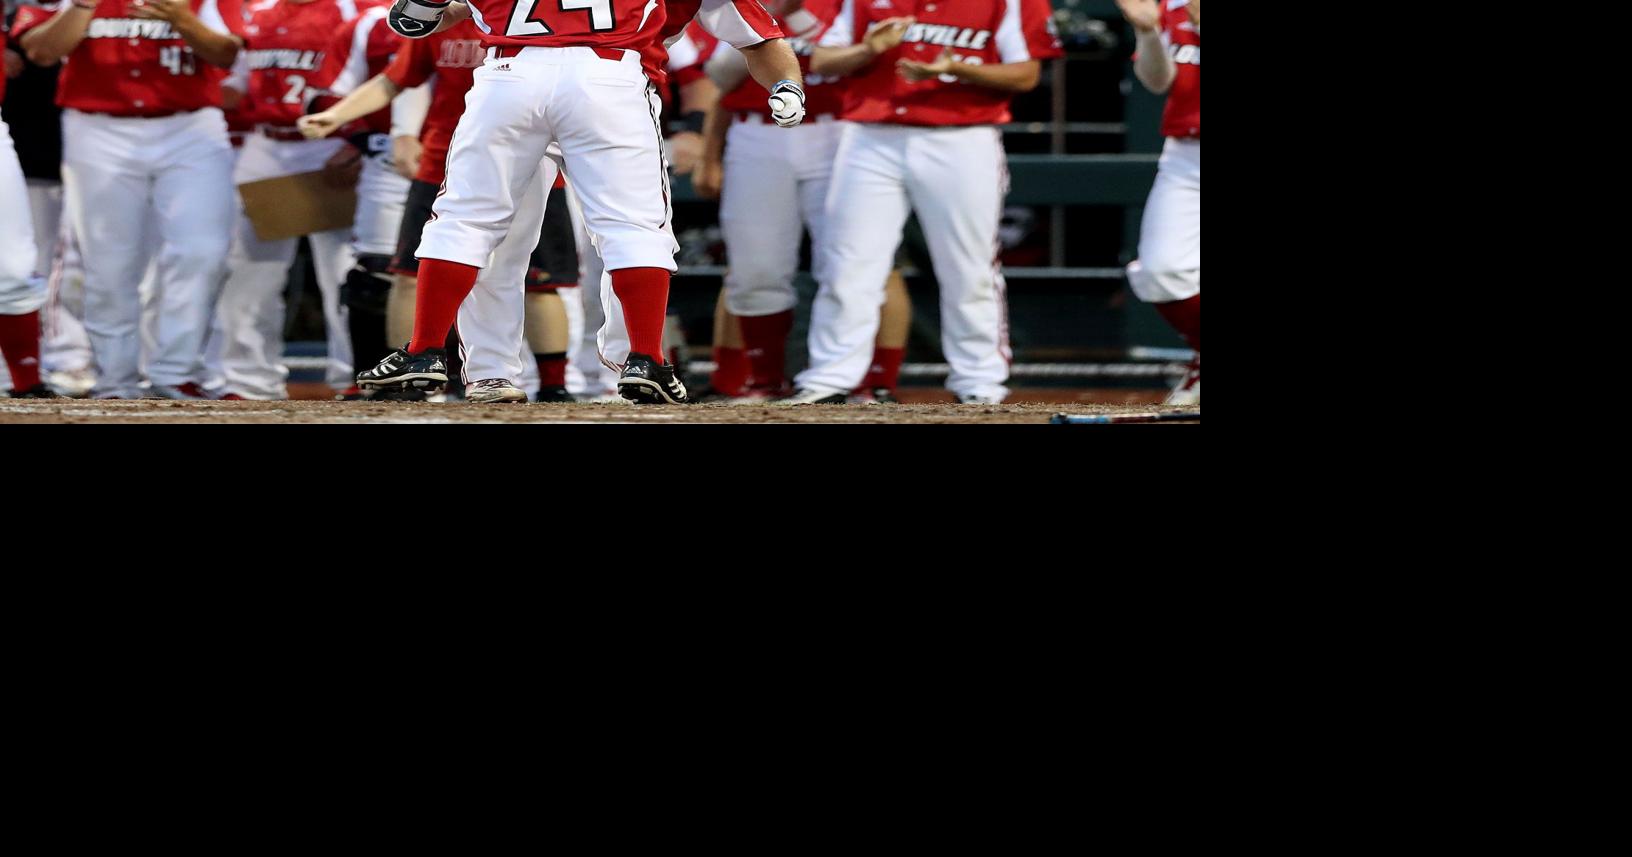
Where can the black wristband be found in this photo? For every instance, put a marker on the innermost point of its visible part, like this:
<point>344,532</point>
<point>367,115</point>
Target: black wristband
<point>692,121</point>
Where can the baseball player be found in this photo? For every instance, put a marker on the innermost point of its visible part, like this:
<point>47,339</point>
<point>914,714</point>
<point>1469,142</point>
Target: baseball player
<point>144,143</point>
<point>581,77</point>
<point>775,192</point>
<point>296,52</point>
<point>447,60</point>
<point>929,82</point>
<point>1167,273</point>
<point>20,290</point>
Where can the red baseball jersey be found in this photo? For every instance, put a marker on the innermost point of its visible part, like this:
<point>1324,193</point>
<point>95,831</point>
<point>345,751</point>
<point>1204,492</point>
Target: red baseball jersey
<point>129,66</point>
<point>285,45</point>
<point>980,32</point>
<point>823,95</point>
<point>451,58</point>
<point>639,25</point>
<point>1182,115</point>
<point>361,49</point>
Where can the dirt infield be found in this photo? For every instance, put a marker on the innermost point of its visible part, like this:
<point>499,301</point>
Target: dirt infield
<point>158,411</point>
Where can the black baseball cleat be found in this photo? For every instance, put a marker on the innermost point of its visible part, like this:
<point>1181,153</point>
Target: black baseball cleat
<point>547,395</point>
<point>644,382</point>
<point>38,391</point>
<point>426,371</point>
<point>803,396</point>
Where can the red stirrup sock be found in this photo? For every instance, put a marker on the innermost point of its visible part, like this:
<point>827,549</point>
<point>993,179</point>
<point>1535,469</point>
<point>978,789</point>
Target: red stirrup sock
<point>20,343</point>
<point>1185,316</point>
<point>886,369</point>
<point>644,293</point>
<point>552,369</point>
<point>765,338</point>
<point>442,288</point>
<point>731,374</point>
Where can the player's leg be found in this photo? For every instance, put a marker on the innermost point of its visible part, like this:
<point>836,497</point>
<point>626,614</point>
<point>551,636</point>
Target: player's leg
<point>890,347</point>
<point>491,320</point>
<point>108,198</point>
<point>66,351</point>
<point>554,266</point>
<point>21,292</point>
<point>763,206</point>
<point>193,199</point>
<point>1167,273</point>
<point>382,195</point>
<point>865,211</point>
<point>594,379</point>
<point>960,220</point>
<point>730,377</point>
<point>333,257</point>
<point>605,117</point>
<point>493,159</point>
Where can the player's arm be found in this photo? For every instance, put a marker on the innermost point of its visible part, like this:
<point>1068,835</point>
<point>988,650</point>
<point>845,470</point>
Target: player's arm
<point>1195,14</point>
<point>48,43</point>
<point>416,19</point>
<point>1151,64</point>
<point>372,96</point>
<point>1004,77</point>
<point>214,46</point>
<point>709,176</point>
<point>882,37</point>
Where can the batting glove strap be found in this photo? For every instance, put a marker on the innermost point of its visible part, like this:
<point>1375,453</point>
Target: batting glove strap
<point>416,19</point>
<point>787,103</point>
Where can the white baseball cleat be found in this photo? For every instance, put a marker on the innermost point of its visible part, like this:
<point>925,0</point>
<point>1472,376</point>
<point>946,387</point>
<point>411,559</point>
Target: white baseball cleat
<point>973,399</point>
<point>73,383</point>
<point>494,391</point>
<point>1189,390</point>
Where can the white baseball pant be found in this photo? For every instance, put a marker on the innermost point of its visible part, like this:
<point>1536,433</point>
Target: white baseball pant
<point>603,115</point>
<point>66,346</point>
<point>252,310</point>
<point>119,174</point>
<point>1169,263</point>
<point>20,290</point>
<point>955,179</point>
<point>586,374</point>
<point>776,184</point>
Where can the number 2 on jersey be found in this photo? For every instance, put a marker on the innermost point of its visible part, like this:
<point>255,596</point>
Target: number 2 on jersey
<point>525,20</point>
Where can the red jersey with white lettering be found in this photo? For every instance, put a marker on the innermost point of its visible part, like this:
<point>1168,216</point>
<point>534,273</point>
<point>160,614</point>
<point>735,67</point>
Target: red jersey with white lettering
<point>285,44</point>
<point>361,49</point>
<point>823,94</point>
<point>451,57</point>
<point>129,66</point>
<point>1182,115</point>
<point>980,32</point>
<point>638,25</point>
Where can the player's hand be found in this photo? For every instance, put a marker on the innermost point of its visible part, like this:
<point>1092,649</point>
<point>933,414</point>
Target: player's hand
<point>14,63</point>
<point>921,71</point>
<point>318,125</point>
<point>1144,15</point>
<point>343,167</point>
<point>787,103</point>
<point>885,35</point>
<point>405,152</point>
<point>416,19</point>
<point>708,178</point>
<point>685,148</point>
<point>160,10</point>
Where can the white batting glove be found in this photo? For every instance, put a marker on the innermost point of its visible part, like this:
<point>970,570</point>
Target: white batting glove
<point>415,19</point>
<point>787,103</point>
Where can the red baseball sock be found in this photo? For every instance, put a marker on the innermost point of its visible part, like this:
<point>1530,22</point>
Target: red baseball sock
<point>552,369</point>
<point>765,339</point>
<point>731,372</point>
<point>442,288</point>
<point>644,293</point>
<point>886,369</point>
<point>20,342</point>
<point>1185,316</point>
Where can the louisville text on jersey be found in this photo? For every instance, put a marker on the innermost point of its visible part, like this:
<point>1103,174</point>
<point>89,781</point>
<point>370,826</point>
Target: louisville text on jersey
<point>130,28</point>
<point>290,58</point>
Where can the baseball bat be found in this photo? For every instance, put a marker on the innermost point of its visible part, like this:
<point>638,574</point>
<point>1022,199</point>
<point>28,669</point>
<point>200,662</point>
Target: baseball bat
<point>1111,419</point>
